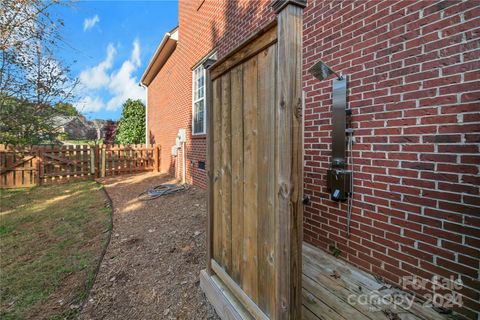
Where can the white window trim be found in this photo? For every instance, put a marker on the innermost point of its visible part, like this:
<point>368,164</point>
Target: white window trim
<point>204,102</point>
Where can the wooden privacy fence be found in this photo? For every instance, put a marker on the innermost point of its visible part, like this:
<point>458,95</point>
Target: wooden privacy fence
<point>25,166</point>
<point>255,172</point>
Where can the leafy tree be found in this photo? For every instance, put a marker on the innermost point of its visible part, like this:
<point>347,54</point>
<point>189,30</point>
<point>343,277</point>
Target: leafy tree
<point>31,78</point>
<point>131,127</point>
<point>24,122</point>
<point>65,108</point>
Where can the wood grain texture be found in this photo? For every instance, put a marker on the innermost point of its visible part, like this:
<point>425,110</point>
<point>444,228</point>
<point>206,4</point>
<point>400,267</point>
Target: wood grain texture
<point>26,166</point>
<point>246,301</point>
<point>210,170</point>
<point>330,296</point>
<point>265,158</point>
<point>226,306</point>
<point>237,172</point>
<point>226,167</point>
<point>250,193</point>
<point>289,164</point>
<point>217,174</point>
<point>257,170</point>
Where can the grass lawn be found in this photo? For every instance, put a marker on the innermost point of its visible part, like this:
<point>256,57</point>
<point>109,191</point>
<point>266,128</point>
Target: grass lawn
<point>51,240</point>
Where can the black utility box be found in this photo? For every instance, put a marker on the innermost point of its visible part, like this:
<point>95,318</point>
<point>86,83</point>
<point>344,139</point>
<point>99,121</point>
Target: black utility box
<point>339,184</point>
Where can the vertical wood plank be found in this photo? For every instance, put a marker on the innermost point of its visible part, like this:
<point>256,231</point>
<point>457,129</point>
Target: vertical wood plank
<point>227,174</point>
<point>210,171</point>
<point>92,161</point>
<point>112,159</point>
<point>55,163</point>
<point>67,154</point>
<point>37,169</point>
<point>86,163</point>
<point>19,168</point>
<point>130,157</point>
<point>217,172</point>
<point>2,164</point>
<point>142,162</point>
<point>97,161</point>
<point>104,160</point>
<point>79,165</point>
<point>156,153</point>
<point>135,155</point>
<point>237,172</point>
<point>41,166</point>
<point>10,161</point>
<point>46,166</point>
<point>266,179</point>
<point>109,160</point>
<point>250,260</point>
<point>289,161</point>
<point>123,159</point>
<point>50,164</point>
<point>159,151</point>
<point>120,158</point>
<point>115,159</point>
<point>62,167</point>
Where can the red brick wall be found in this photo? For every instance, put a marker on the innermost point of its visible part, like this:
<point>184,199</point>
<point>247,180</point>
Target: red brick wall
<point>414,91</point>
<point>203,26</point>
<point>414,82</point>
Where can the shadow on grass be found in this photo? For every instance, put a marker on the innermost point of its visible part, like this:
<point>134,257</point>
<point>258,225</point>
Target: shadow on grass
<point>51,239</point>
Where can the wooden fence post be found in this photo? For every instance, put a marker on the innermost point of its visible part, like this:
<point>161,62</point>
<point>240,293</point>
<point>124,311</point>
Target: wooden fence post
<point>39,166</point>
<point>103,160</point>
<point>209,165</point>
<point>96,160</point>
<point>289,162</point>
<point>156,151</point>
<point>92,161</point>
<point>37,170</point>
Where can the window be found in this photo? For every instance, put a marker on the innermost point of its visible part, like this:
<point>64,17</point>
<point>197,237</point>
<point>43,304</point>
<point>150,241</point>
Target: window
<point>199,116</point>
<point>199,109</point>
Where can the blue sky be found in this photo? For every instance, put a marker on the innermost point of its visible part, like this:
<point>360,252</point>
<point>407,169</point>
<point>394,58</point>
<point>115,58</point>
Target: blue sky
<point>108,44</point>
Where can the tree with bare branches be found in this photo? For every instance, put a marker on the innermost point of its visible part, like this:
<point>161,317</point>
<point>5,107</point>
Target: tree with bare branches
<point>32,79</point>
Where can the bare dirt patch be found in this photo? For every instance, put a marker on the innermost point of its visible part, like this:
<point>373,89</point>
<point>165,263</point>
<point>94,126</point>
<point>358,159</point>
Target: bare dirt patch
<point>152,265</point>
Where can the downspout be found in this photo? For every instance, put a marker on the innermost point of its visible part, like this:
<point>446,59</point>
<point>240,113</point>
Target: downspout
<point>184,162</point>
<point>146,112</point>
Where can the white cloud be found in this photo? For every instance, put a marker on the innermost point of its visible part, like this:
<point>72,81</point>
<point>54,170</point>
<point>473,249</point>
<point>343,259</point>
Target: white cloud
<point>89,23</point>
<point>97,77</point>
<point>121,84</point>
<point>89,104</point>
<point>135,57</point>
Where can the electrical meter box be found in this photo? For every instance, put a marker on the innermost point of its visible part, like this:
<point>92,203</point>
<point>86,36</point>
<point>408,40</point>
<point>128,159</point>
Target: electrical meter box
<point>339,184</point>
<point>182,135</point>
<point>178,144</point>
<point>174,151</point>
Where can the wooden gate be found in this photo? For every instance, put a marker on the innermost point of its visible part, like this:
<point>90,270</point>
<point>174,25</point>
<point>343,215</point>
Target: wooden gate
<point>26,166</point>
<point>18,167</point>
<point>255,152</point>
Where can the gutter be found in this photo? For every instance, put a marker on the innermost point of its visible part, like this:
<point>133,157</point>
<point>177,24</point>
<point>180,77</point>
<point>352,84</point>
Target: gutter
<point>172,35</point>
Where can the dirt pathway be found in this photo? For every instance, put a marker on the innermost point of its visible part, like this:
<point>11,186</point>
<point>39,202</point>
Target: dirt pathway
<point>152,264</point>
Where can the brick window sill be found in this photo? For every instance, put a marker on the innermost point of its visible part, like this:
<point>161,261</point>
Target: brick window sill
<point>199,136</point>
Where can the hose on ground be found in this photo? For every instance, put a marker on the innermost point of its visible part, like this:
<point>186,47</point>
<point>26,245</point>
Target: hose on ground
<point>161,190</point>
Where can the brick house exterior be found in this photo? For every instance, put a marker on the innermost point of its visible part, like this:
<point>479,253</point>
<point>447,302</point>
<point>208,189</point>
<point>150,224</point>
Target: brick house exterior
<point>414,81</point>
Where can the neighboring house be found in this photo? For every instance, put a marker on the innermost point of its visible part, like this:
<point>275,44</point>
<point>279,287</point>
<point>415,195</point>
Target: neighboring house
<point>105,130</point>
<point>74,127</point>
<point>79,128</point>
<point>414,84</point>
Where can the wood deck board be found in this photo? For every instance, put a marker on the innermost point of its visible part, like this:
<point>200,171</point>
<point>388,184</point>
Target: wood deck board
<point>328,281</point>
